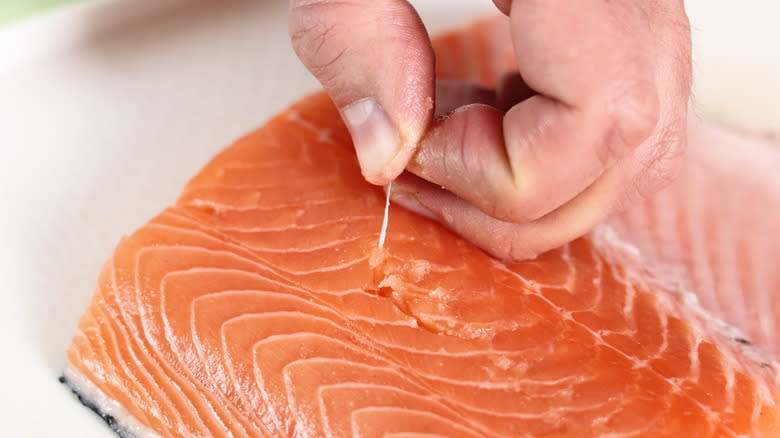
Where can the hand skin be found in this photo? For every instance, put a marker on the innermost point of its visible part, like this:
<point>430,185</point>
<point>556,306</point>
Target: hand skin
<point>593,122</point>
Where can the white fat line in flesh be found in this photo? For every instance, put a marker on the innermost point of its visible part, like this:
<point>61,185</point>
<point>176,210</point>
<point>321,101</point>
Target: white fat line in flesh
<point>383,230</point>
<point>204,195</point>
<point>370,411</point>
<point>254,248</point>
<point>708,322</point>
<point>220,207</point>
<point>295,116</point>
<point>607,240</point>
<point>763,263</point>
<point>330,268</point>
<point>106,405</point>
<point>298,226</point>
<point>273,164</point>
<point>443,409</point>
<point>259,263</point>
<point>321,183</point>
<point>402,237</point>
<point>262,249</point>
<point>689,298</point>
<point>384,343</point>
<point>351,318</point>
<point>434,267</point>
<point>274,269</point>
<point>421,380</point>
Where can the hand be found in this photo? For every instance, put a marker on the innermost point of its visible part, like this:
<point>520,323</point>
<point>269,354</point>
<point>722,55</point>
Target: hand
<point>596,121</point>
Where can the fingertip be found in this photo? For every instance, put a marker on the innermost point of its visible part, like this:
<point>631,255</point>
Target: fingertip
<point>412,129</point>
<point>376,139</point>
<point>375,61</point>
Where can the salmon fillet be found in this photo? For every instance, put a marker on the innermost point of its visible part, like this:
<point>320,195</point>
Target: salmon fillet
<point>260,306</point>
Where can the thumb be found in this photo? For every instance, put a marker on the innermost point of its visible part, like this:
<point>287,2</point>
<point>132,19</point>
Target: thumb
<point>376,62</point>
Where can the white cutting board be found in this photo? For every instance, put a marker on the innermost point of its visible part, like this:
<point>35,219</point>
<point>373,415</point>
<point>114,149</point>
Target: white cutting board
<point>107,108</point>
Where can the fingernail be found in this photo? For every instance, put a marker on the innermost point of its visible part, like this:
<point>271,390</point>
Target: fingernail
<point>410,202</point>
<point>375,137</point>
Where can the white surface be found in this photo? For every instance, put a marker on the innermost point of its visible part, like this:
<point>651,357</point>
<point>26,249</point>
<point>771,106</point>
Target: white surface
<point>107,109</point>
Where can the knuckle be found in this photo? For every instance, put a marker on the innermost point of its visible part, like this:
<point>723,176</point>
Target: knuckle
<point>462,161</point>
<point>450,164</point>
<point>634,112</point>
<point>663,163</point>
<point>316,38</point>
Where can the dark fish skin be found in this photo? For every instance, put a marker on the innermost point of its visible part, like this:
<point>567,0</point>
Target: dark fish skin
<point>110,420</point>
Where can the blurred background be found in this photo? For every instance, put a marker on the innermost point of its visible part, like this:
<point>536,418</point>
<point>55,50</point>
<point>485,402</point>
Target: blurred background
<point>14,10</point>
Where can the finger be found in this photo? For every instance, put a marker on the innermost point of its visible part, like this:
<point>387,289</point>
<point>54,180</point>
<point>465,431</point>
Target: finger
<point>507,240</point>
<point>654,165</point>
<point>504,240</point>
<point>456,96</point>
<point>464,154</point>
<point>376,62</point>
<point>591,55</point>
<point>597,102</point>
